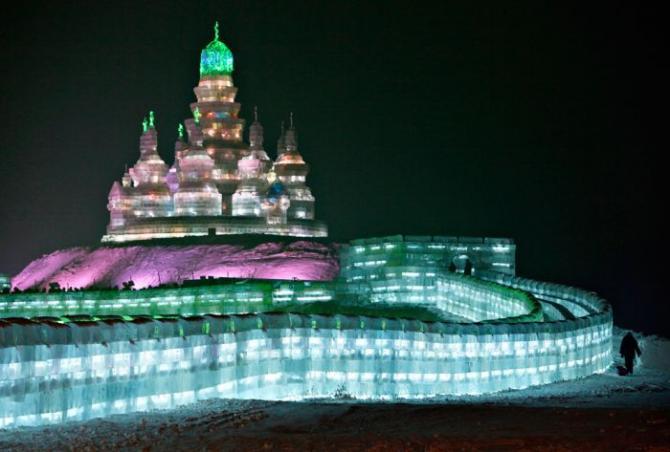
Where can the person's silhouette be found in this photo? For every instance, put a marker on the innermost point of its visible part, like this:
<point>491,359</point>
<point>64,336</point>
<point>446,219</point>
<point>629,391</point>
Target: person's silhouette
<point>629,348</point>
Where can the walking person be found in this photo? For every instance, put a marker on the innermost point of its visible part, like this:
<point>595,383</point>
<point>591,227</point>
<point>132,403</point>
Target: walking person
<point>628,349</point>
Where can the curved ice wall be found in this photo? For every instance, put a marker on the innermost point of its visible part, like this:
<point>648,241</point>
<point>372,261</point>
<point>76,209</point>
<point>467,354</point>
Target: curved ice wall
<point>55,371</point>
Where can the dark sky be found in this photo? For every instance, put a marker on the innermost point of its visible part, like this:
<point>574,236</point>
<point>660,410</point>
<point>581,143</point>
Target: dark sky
<point>536,122</point>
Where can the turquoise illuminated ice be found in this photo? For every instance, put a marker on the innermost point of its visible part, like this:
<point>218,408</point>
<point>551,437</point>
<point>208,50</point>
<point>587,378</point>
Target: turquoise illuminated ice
<point>297,349</point>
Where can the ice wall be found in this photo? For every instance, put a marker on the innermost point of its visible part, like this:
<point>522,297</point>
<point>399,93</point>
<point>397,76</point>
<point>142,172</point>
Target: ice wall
<point>79,370</point>
<point>54,370</point>
<point>461,254</point>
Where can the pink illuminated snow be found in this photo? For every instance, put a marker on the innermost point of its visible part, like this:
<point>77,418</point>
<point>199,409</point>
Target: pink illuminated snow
<point>154,265</point>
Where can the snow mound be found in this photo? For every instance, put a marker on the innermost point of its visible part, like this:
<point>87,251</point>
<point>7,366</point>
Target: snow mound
<point>155,265</point>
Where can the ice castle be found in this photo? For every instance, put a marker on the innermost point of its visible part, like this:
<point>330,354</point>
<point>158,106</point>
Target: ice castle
<point>218,184</point>
<point>158,319</point>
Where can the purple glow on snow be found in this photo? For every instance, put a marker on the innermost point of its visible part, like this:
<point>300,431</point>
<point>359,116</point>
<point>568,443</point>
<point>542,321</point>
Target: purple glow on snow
<point>154,265</point>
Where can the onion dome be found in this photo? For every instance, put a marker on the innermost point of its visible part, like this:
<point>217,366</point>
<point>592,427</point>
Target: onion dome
<point>216,58</point>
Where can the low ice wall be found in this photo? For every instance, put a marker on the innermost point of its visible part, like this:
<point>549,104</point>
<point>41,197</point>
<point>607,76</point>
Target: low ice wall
<point>54,372</point>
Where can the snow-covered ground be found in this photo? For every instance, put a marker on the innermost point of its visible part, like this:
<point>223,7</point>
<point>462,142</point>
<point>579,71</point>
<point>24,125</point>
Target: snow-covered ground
<point>601,409</point>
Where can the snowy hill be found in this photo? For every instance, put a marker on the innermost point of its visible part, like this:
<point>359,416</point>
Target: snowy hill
<point>154,265</point>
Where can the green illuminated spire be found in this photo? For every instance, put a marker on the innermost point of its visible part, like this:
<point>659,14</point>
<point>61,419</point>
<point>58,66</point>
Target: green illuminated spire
<point>196,115</point>
<point>152,120</point>
<point>145,124</point>
<point>216,58</point>
<point>180,131</point>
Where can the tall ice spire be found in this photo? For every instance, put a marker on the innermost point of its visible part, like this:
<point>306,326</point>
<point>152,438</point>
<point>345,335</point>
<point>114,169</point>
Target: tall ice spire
<point>291,140</point>
<point>281,142</point>
<point>256,133</point>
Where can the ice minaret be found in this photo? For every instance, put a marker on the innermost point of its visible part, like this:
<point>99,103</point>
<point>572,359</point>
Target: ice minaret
<point>292,171</point>
<point>217,111</point>
<point>150,193</point>
<point>252,173</point>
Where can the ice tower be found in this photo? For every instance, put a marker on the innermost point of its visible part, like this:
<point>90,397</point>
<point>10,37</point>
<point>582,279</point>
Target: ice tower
<point>217,115</point>
<point>252,173</point>
<point>144,192</point>
<point>292,171</point>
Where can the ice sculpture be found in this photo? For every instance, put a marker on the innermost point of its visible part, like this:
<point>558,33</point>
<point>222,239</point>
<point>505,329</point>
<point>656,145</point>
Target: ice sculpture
<point>218,184</point>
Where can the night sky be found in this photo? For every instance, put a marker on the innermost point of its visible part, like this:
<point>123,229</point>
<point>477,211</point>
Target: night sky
<point>540,123</point>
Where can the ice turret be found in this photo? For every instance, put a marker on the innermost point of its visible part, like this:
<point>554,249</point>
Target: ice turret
<point>180,146</point>
<point>292,171</point>
<point>256,133</point>
<point>252,173</point>
<point>151,195</point>
<point>256,143</point>
<point>119,206</point>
